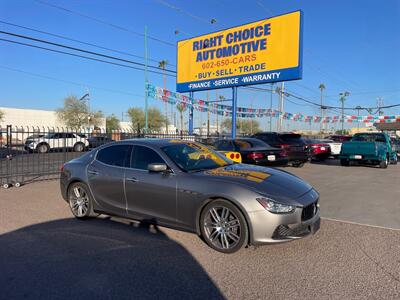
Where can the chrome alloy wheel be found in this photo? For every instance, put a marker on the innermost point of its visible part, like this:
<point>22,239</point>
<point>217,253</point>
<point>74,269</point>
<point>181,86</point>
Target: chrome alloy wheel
<point>79,202</point>
<point>222,227</point>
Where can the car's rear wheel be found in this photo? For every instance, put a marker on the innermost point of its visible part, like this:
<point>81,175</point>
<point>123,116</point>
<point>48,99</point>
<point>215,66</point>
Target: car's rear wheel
<point>43,148</point>
<point>394,161</point>
<point>344,162</point>
<point>79,147</point>
<point>384,163</point>
<point>223,226</point>
<point>298,164</point>
<point>80,201</point>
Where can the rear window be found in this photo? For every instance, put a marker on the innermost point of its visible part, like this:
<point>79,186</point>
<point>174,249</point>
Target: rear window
<point>291,138</point>
<point>271,139</point>
<point>369,138</point>
<point>250,143</point>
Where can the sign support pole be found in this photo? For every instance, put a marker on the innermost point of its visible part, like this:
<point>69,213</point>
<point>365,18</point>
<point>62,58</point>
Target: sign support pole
<point>234,109</point>
<point>146,112</point>
<point>191,95</point>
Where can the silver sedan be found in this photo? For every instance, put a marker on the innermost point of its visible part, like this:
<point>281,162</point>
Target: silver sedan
<point>187,186</point>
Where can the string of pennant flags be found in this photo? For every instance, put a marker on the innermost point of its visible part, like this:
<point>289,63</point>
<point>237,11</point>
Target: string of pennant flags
<point>174,98</point>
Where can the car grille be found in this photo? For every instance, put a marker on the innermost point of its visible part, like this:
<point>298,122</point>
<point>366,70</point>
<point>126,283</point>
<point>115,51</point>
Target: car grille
<point>284,231</point>
<point>309,211</point>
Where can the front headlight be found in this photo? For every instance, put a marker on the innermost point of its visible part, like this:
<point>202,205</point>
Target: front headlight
<point>275,207</point>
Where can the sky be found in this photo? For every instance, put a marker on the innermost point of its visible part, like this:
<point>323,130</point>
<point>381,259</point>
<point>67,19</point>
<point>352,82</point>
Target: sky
<point>349,46</point>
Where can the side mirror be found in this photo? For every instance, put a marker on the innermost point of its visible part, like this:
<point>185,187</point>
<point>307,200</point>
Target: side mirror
<point>157,167</point>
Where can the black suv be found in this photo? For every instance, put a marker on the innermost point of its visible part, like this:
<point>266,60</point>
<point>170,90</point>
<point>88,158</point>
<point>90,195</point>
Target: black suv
<point>291,143</point>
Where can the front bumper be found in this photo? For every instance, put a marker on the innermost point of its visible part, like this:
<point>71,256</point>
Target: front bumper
<point>268,228</point>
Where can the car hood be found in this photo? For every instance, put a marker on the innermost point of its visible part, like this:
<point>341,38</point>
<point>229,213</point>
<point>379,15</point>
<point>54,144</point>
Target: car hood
<point>273,183</point>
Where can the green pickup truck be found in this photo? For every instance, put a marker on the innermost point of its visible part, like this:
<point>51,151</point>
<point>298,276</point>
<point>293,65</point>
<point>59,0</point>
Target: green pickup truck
<point>368,148</point>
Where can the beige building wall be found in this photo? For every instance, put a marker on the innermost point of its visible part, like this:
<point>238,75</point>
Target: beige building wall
<point>21,117</point>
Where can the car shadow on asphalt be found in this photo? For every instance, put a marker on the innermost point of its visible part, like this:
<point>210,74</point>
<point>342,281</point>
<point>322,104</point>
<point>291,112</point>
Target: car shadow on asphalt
<point>336,163</point>
<point>99,258</point>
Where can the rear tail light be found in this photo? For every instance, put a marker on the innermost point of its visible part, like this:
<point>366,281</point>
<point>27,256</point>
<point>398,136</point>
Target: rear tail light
<point>285,146</point>
<point>237,155</point>
<point>62,168</point>
<point>255,155</point>
<point>232,156</point>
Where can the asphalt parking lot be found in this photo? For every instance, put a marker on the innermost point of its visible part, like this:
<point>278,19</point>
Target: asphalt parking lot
<point>47,254</point>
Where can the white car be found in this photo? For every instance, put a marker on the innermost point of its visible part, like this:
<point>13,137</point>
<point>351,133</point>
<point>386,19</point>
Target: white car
<point>336,141</point>
<point>45,143</point>
<point>335,147</point>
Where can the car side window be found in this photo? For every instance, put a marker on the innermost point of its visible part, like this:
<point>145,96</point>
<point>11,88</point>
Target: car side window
<point>69,135</point>
<point>143,156</point>
<point>117,155</point>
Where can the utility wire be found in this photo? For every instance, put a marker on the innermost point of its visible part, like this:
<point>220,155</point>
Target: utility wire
<point>78,41</point>
<point>103,22</point>
<point>70,82</point>
<point>289,93</point>
<point>81,56</point>
<point>81,50</point>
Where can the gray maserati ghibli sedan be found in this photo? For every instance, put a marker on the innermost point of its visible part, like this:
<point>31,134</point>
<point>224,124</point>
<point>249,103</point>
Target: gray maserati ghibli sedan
<point>188,186</point>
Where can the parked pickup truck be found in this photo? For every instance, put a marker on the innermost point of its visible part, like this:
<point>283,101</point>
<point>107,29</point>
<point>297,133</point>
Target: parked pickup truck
<point>368,148</point>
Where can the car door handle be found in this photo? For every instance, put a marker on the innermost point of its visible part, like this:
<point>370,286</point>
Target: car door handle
<point>132,179</point>
<point>93,172</point>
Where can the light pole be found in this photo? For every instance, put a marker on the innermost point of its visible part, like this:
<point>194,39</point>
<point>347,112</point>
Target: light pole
<point>270,107</point>
<point>342,100</point>
<point>321,88</point>
<point>358,107</point>
<point>86,98</point>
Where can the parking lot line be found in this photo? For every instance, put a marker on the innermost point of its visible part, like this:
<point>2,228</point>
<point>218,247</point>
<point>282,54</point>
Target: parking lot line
<point>361,224</point>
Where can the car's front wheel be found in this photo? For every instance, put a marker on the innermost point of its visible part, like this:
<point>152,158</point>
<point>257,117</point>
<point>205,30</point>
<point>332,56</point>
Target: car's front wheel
<point>80,201</point>
<point>223,226</point>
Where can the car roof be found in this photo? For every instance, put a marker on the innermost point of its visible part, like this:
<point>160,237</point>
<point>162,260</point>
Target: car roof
<point>238,138</point>
<point>157,142</point>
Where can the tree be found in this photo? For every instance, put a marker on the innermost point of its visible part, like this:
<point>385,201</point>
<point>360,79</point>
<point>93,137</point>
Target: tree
<point>1,116</point>
<point>162,64</point>
<point>137,116</point>
<point>76,114</point>
<point>343,132</point>
<point>247,126</point>
<point>321,88</point>
<point>181,107</point>
<point>112,123</point>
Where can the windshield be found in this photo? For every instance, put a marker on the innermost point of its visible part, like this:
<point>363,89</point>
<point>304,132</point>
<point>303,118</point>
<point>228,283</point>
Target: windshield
<point>369,138</point>
<point>195,157</point>
<point>291,138</point>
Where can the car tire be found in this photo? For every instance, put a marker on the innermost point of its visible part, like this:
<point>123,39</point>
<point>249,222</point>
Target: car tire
<point>394,161</point>
<point>43,148</point>
<point>384,163</point>
<point>344,162</point>
<point>223,226</point>
<point>80,201</point>
<point>298,165</point>
<point>79,147</point>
